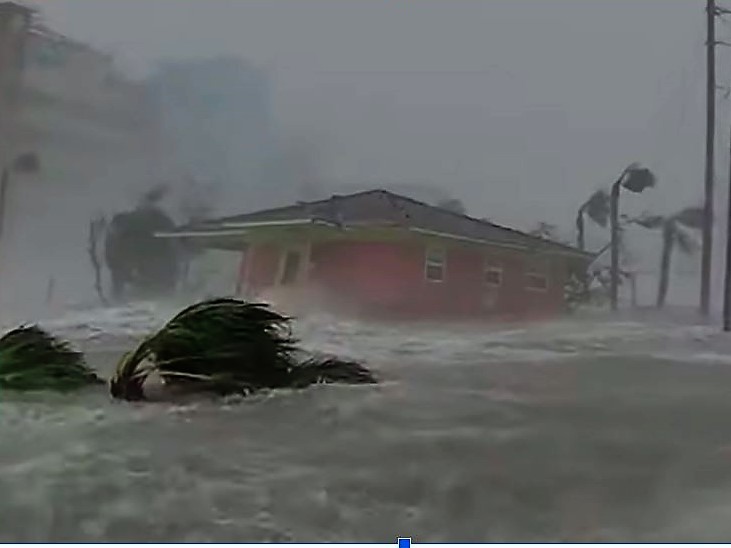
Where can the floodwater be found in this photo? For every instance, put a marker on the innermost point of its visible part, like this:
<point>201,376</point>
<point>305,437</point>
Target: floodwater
<point>585,429</point>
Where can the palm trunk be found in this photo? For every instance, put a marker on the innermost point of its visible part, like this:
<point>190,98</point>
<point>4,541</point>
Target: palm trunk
<point>614,223</point>
<point>633,288</point>
<point>581,244</point>
<point>668,239</point>
<point>580,241</point>
<point>95,232</point>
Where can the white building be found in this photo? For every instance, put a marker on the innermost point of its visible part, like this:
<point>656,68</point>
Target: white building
<point>96,135</point>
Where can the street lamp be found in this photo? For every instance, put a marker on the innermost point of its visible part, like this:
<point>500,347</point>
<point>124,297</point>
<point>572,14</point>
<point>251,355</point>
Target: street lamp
<point>25,163</point>
<point>636,179</point>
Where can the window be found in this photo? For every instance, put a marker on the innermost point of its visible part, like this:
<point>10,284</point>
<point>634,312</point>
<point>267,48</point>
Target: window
<point>536,275</point>
<point>493,273</point>
<point>435,264</point>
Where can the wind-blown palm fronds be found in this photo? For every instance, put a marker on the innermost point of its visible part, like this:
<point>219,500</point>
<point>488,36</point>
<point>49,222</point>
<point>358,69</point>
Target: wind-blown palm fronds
<point>637,179</point>
<point>329,371</point>
<point>648,220</point>
<point>597,207</point>
<point>674,233</point>
<point>226,346</point>
<point>32,359</point>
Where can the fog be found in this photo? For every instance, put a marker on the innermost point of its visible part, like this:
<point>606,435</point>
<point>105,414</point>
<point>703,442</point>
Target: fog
<point>519,109</point>
<point>567,422</point>
<point>514,106</point>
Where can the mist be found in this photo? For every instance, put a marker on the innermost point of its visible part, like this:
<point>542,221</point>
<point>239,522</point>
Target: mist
<point>475,383</point>
<point>520,110</point>
<point>546,98</point>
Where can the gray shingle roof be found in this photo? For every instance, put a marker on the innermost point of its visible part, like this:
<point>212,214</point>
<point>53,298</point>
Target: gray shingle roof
<point>379,207</point>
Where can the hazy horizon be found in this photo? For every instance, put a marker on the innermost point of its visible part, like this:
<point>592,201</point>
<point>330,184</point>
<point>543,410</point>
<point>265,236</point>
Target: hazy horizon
<point>519,108</point>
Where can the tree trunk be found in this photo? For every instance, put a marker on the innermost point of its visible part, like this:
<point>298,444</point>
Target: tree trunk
<point>614,223</point>
<point>668,239</point>
<point>633,288</point>
<point>580,241</point>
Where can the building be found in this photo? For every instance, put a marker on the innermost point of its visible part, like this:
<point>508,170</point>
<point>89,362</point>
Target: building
<point>217,118</point>
<point>381,254</point>
<point>96,135</point>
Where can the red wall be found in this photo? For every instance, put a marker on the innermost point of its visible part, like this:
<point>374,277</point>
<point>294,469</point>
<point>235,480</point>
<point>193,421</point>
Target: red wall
<point>387,279</point>
<point>259,267</point>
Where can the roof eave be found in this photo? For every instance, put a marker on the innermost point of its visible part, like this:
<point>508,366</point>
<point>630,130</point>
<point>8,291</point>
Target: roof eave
<point>238,229</point>
<point>508,245</point>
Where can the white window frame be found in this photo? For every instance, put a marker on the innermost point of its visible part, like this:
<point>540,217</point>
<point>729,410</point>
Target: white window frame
<point>537,268</point>
<point>440,261</point>
<point>491,265</point>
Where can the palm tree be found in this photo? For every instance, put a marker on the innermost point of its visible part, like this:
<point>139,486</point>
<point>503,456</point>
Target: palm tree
<point>228,346</point>
<point>674,234</point>
<point>135,258</point>
<point>97,227</point>
<point>597,208</point>
<point>636,179</point>
<point>32,359</point>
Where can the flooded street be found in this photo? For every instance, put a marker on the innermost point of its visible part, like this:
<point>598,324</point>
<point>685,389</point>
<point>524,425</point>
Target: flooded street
<point>585,429</point>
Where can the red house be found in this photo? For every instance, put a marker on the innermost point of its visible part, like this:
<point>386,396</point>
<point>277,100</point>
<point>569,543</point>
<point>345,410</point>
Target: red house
<point>376,253</point>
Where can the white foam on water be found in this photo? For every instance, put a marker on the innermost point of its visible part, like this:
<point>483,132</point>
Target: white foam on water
<point>468,439</point>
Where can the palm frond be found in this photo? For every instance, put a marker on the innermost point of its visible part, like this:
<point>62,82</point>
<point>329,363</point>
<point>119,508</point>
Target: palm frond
<point>32,359</point>
<point>597,207</point>
<point>649,221</point>
<point>690,217</point>
<point>328,371</point>
<point>685,242</point>
<point>223,346</point>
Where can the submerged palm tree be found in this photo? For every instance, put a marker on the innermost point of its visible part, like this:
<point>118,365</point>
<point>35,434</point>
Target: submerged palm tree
<point>32,359</point>
<point>228,346</point>
<point>674,234</point>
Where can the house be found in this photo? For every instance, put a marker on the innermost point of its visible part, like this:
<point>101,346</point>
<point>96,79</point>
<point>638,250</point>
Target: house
<point>381,254</point>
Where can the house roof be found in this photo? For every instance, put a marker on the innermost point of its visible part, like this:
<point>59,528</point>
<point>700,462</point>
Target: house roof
<point>381,207</point>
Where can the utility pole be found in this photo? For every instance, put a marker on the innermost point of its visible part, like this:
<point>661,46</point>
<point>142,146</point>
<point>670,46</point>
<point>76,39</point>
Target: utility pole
<point>706,259</point>
<point>727,280</point>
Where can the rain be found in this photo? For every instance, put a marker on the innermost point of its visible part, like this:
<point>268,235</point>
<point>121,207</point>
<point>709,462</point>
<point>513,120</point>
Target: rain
<point>328,271</point>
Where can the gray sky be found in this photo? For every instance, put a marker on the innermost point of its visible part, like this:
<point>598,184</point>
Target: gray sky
<point>520,108</point>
